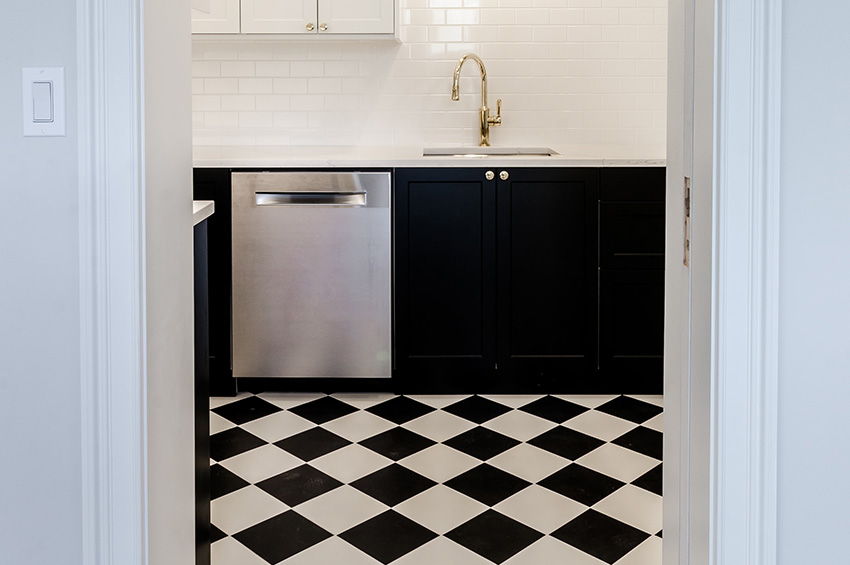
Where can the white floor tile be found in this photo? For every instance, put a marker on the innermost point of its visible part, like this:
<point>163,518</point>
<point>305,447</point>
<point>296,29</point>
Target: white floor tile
<point>350,463</point>
<point>540,508</point>
<point>655,423</point>
<point>277,426</point>
<point>219,424</point>
<point>439,400</point>
<point>340,509</point>
<point>550,551</point>
<point>442,551</point>
<point>440,509</point>
<point>287,400</point>
<point>513,400</point>
<point>600,425</point>
<point>634,506</point>
<point>439,426</point>
<point>363,400</point>
<point>261,463</point>
<point>238,510</point>
<point>587,400</point>
<point>332,551</point>
<point>519,425</point>
<point>440,462</point>
<point>228,551</point>
<point>528,462</point>
<point>216,401</point>
<point>647,553</point>
<point>618,462</point>
<point>358,426</point>
<point>656,399</point>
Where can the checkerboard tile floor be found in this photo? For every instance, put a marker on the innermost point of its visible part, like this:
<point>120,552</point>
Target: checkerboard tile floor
<point>367,479</point>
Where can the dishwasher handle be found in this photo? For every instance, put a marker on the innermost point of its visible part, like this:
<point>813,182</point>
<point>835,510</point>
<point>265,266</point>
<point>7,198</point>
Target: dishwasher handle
<point>310,198</point>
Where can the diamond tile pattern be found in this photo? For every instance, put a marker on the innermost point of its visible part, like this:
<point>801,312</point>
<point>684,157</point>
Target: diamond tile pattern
<point>393,479</point>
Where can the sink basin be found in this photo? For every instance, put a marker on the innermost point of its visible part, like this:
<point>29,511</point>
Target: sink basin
<point>488,152</point>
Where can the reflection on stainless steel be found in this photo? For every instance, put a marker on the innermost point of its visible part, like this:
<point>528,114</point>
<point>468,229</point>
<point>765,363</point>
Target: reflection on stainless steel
<point>488,152</point>
<point>311,274</point>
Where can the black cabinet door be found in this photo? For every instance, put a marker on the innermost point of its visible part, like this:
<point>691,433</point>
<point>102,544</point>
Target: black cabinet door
<point>547,284</point>
<point>444,279</point>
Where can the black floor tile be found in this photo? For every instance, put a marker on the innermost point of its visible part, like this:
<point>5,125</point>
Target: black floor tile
<point>400,409</point>
<point>651,480</point>
<point>566,442</point>
<point>581,484</point>
<point>323,409</point>
<point>247,409</point>
<point>601,536</point>
<point>643,440</point>
<point>494,536</point>
<point>487,484</point>
<point>554,409</point>
<point>630,409</point>
<point>397,443</point>
<point>299,485</point>
<point>659,533</point>
<point>482,443</point>
<point>234,441</point>
<point>312,443</point>
<point>223,481</point>
<point>477,409</point>
<point>216,534</point>
<point>273,540</point>
<point>388,536</point>
<point>393,485</point>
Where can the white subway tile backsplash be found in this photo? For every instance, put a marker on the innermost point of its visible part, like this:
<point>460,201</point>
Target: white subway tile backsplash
<point>568,72</point>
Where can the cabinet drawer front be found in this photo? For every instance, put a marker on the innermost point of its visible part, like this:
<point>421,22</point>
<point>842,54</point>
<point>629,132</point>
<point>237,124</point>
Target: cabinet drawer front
<point>631,235</point>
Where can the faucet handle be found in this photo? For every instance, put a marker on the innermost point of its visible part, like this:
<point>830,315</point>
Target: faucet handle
<point>497,120</point>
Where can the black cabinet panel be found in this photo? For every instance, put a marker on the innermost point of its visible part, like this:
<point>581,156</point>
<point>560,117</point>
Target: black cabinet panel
<point>631,235</point>
<point>631,322</point>
<point>632,184</point>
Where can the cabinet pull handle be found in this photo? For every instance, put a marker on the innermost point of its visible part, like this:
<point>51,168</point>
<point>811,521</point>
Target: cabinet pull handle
<point>310,26</point>
<point>323,27</point>
<point>489,175</point>
<point>504,175</point>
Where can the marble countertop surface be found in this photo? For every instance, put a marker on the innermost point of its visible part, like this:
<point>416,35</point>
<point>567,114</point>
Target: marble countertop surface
<point>201,210</point>
<point>392,157</point>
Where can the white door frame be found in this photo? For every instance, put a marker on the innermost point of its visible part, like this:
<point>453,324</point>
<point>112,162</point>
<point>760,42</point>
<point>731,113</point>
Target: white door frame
<point>735,150</point>
<point>720,440</point>
<point>112,295</point>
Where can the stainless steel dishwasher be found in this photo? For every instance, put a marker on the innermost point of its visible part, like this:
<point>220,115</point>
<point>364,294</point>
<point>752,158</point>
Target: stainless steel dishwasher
<point>311,274</point>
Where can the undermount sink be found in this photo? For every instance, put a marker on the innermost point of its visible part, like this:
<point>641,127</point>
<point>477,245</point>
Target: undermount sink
<point>488,152</point>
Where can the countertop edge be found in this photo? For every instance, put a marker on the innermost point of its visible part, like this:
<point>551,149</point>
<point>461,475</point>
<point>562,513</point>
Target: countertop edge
<point>201,210</point>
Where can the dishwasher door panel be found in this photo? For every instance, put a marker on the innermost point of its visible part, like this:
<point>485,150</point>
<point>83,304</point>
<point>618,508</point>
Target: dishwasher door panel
<point>311,280</point>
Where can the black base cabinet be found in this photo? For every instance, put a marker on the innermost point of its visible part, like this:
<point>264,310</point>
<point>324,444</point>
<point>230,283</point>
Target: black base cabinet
<point>532,280</point>
<point>495,279</point>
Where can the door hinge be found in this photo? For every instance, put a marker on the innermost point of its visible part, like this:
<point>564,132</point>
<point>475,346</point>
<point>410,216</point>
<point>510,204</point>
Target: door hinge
<point>687,243</point>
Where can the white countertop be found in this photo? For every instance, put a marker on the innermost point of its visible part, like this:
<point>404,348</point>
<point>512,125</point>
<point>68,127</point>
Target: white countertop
<point>201,210</point>
<point>389,157</point>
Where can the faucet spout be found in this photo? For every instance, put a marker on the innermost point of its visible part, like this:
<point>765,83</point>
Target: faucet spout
<point>484,112</point>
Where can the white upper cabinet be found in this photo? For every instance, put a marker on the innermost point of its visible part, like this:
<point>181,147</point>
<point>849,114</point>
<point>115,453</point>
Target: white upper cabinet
<point>279,16</point>
<point>215,16</point>
<point>356,16</point>
<point>294,17</point>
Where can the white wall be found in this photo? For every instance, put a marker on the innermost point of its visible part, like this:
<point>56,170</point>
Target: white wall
<point>814,306</point>
<point>170,343</point>
<point>568,72</point>
<point>40,474</point>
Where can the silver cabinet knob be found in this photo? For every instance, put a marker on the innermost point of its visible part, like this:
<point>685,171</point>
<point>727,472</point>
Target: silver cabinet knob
<point>323,27</point>
<point>504,175</point>
<point>489,175</point>
<point>310,26</point>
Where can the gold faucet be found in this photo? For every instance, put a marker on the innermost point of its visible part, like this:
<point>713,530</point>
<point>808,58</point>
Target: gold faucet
<point>484,111</point>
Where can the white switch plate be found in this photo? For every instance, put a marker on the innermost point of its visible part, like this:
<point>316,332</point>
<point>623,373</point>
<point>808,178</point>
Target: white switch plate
<point>44,104</point>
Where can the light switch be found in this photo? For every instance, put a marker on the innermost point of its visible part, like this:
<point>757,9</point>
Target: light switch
<point>43,101</point>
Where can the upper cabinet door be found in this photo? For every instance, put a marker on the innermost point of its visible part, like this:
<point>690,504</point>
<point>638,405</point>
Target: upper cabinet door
<point>356,16</point>
<point>279,16</point>
<point>215,16</point>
